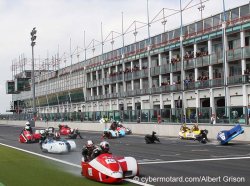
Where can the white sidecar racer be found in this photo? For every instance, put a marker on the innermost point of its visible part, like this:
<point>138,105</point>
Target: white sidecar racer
<point>57,146</point>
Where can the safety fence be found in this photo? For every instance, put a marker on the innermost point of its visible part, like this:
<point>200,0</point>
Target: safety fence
<point>222,115</point>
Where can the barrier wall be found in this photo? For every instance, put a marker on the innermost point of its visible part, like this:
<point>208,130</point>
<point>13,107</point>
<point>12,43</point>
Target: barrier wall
<point>169,130</point>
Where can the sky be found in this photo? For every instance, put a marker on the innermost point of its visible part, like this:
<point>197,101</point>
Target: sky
<point>61,25</point>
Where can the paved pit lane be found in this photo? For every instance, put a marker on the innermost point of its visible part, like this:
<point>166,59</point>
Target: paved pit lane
<point>172,162</point>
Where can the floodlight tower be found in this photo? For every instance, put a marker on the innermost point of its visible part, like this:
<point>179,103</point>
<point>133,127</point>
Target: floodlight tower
<point>33,43</point>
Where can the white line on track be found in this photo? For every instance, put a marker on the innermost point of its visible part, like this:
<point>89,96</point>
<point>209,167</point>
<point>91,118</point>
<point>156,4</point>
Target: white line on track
<point>149,160</point>
<point>65,162</point>
<point>170,154</point>
<point>214,156</point>
<point>202,150</point>
<point>194,160</point>
<point>137,182</point>
<point>195,145</point>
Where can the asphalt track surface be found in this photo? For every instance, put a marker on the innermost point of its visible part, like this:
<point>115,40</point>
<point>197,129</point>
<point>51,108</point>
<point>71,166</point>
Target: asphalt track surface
<point>172,162</point>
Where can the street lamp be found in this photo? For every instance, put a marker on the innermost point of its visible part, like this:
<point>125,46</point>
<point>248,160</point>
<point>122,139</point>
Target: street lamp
<point>33,38</point>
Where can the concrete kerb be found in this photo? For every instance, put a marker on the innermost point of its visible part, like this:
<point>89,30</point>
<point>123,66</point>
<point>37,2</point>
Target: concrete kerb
<point>168,130</point>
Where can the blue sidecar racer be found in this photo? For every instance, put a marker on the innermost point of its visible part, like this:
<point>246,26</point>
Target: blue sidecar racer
<point>113,133</point>
<point>227,135</point>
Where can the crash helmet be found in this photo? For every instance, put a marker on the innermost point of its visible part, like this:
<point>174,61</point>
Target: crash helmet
<point>104,146</point>
<point>90,144</point>
<point>51,130</point>
<point>57,135</point>
<point>27,127</point>
<point>42,132</point>
<point>71,130</point>
<point>184,124</point>
<point>27,123</point>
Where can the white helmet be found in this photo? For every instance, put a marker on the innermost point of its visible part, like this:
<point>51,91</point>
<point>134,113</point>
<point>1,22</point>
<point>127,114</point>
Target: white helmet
<point>27,123</point>
<point>89,144</point>
<point>105,146</point>
<point>27,127</point>
<point>57,135</point>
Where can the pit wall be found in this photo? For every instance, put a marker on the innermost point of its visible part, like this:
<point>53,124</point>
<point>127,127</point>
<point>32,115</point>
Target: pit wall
<point>169,130</point>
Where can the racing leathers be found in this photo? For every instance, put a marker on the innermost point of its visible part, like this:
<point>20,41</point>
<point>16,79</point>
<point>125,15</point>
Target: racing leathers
<point>27,128</point>
<point>113,126</point>
<point>184,128</point>
<point>195,127</point>
<point>74,134</point>
<point>90,153</point>
<point>43,138</point>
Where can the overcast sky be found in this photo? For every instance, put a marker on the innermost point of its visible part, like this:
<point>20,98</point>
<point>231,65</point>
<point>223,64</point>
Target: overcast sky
<point>58,21</point>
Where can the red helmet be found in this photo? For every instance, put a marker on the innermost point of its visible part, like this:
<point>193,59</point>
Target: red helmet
<point>104,146</point>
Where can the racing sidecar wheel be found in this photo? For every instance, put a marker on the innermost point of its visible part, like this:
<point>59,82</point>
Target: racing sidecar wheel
<point>204,141</point>
<point>44,150</point>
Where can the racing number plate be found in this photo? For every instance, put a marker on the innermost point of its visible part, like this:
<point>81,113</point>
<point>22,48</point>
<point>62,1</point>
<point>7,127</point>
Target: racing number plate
<point>109,160</point>
<point>222,136</point>
<point>90,172</point>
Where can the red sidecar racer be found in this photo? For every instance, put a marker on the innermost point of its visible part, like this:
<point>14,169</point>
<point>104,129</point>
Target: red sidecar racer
<point>107,168</point>
<point>64,129</point>
<point>28,137</point>
<point>67,131</point>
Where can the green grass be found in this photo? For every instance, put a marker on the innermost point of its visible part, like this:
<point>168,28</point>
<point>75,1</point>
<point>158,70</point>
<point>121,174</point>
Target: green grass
<point>22,169</point>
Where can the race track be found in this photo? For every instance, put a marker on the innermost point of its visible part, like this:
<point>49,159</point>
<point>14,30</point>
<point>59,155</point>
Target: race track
<point>172,162</point>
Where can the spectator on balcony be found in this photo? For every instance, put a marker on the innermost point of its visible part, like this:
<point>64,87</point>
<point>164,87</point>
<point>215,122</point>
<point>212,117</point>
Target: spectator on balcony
<point>205,78</point>
<point>186,82</point>
<point>127,70</point>
<point>201,53</point>
<point>192,54</point>
<point>189,55</point>
<point>198,53</point>
<point>175,59</point>
<point>246,72</point>
<point>165,83</point>
<point>135,68</point>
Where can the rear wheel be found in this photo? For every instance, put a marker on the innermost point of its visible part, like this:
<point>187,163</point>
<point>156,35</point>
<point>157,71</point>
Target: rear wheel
<point>68,146</point>
<point>44,150</point>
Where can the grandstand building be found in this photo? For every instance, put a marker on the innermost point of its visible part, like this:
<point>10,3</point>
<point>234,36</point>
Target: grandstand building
<point>205,71</point>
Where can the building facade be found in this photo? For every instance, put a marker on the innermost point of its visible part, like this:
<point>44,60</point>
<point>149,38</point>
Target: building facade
<point>204,71</point>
